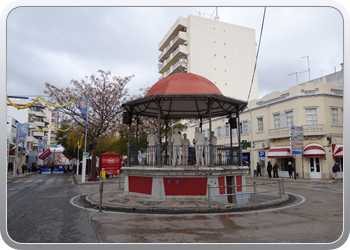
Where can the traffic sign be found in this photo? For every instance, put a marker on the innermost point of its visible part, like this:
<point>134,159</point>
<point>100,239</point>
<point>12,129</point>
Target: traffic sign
<point>262,154</point>
<point>292,139</point>
<point>296,144</point>
<point>85,153</point>
<point>297,128</point>
<point>296,148</point>
<point>296,134</point>
<point>296,152</point>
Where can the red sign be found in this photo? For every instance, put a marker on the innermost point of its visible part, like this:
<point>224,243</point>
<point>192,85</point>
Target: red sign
<point>110,162</point>
<point>185,186</point>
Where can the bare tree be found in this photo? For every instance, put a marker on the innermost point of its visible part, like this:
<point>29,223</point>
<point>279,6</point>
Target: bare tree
<point>104,94</point>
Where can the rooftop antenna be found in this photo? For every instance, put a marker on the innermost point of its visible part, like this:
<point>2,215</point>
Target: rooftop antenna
<point>217,13</point>
<point>308,66</point>
<point>296,73</point>
<point>322,72</point>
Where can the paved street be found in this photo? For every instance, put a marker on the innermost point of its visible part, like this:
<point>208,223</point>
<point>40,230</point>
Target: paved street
<point>315,215</point>
<point>38,211</point>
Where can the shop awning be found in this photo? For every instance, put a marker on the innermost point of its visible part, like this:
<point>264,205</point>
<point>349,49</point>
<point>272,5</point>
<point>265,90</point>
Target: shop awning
<point>338,151</point>
<point>314,149</point>
<point>279,152</point>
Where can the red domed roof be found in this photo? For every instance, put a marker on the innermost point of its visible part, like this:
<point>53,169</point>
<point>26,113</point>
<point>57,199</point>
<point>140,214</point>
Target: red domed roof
<point>183,83</point>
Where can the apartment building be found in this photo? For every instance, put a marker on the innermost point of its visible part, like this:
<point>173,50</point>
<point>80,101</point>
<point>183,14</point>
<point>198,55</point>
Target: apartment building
<point>221,52</point>
<point>53,116</point>
<point>36,118</point>
<point>316,106</point>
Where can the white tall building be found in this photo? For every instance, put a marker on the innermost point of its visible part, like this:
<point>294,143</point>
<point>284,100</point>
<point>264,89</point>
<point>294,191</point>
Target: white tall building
<point>34,116</point>
<point>223,53</point>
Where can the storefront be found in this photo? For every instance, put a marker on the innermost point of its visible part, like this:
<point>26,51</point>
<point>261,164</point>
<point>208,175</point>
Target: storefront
<point>337,151</point>
<point>280,155</point>
<point>314,152</point>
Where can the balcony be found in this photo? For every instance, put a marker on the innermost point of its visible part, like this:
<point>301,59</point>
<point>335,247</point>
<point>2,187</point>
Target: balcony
<point>46,121</point>
<point>39,124</point>
<point>40,114</point>
<point>38,134</point>
<point>179,26</point>
<point>315,129</point>
<point>179,39</point>
<point>175,56</point>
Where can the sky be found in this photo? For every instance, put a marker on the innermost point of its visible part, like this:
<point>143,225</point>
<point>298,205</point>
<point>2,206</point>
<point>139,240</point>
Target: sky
<point>58,44</point>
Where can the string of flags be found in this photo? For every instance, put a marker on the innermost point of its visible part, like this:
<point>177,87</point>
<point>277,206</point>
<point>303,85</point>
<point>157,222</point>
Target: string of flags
<point>39,97</point>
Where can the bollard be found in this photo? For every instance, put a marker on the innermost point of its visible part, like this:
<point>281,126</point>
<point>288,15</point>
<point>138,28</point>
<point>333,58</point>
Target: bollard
<point>209,199</point>
<point>255,194</point>
<point>280,188</point>
<point>100,203</point>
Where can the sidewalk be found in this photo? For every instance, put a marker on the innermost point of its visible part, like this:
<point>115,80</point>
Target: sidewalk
<point>299,180</point>
<point>10,176</point>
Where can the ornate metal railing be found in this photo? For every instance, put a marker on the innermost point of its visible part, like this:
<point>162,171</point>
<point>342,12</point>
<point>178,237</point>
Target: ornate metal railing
<point>184,156</point>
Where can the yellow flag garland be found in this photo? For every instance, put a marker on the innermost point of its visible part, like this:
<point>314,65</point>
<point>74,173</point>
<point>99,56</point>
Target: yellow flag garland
<point>31,104</point>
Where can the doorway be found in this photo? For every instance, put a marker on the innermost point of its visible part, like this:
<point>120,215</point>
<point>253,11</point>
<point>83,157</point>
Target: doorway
<point>315,167</point>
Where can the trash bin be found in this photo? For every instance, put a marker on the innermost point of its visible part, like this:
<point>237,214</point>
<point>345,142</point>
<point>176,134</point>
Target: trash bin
<point>255,172</point>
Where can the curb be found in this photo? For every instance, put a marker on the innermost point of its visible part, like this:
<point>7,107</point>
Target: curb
<point>190,210</point>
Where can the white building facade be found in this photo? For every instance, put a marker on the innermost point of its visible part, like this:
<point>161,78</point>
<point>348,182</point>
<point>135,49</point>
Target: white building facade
<point>36,118</point>
<point>221,52</point>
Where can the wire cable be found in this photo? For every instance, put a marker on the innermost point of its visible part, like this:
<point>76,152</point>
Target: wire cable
<point>257,54</point>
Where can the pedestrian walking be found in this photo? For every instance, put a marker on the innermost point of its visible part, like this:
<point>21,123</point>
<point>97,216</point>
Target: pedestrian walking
<point>23,168</point>
<point>258,168</point>
<point>29,168</point>
<point>335,169</point>
<point>290,170</point>
<point>275,170</point>
<point>269,169</point>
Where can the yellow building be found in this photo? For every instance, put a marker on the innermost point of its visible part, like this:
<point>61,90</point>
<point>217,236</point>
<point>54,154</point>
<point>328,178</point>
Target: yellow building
<point>316,106</point>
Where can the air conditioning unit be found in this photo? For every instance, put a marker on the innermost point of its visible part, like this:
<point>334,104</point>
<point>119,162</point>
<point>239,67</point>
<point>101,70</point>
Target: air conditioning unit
<point>265,144</point>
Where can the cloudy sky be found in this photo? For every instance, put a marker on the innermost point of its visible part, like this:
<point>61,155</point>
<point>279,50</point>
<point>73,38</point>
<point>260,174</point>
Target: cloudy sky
<point>58,44</point>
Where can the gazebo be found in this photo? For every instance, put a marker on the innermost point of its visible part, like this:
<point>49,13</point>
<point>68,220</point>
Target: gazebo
<point>183,96</point>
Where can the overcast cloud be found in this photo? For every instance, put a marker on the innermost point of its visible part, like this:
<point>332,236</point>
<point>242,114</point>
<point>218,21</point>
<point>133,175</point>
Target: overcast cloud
<point>58,44</point>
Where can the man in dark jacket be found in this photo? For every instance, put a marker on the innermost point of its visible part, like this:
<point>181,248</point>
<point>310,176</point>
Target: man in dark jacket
<point>275,170</point>
<point>290,170</point>
<point>335,169</point>
<point>258,168</point>
<point>269,169</point>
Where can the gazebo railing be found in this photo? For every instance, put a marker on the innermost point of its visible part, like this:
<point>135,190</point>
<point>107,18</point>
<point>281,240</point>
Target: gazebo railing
<point>185,156</point>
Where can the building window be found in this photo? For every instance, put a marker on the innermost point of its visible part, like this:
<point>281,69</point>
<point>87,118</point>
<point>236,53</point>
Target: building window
<point>342,117</point>
<point>311,116</point>
<point>227,131</point>
<point>334,112</point>
<point>289,116</point>
<point>260,124</point>
<point>219,132</point>
<point>276,119</point>
<point>244,128</point>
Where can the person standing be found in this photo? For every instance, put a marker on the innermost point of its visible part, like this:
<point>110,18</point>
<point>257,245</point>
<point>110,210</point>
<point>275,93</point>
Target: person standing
<point>335,169</point>
<point>258,168</point>
<point>290,170</point>
<point>269,169</point>
<point>275,170</point>
<point>23,168</point>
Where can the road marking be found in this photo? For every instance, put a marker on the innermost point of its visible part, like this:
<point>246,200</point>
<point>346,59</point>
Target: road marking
<point>187,214</point>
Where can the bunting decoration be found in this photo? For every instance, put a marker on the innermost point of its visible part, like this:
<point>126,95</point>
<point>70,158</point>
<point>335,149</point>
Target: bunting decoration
<point>39,97</point>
